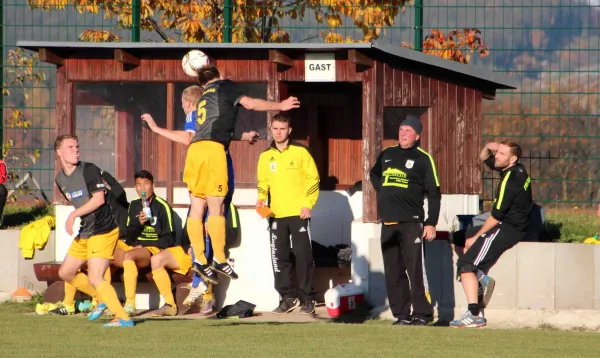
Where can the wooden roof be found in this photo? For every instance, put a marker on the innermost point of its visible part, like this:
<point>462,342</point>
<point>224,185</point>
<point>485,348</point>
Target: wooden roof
<point>413,60</point>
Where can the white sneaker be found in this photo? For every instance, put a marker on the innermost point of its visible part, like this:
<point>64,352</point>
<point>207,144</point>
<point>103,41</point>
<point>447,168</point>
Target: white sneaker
<point>129,309</point>
<point>195,293</point>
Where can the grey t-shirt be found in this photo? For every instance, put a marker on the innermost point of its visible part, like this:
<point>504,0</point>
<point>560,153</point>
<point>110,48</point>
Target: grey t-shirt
<point>78,188</point>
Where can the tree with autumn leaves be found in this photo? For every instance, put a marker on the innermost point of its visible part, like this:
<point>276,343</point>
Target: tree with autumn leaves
<point>261,21</point>
<point>252,20</point>
<point>24,81</point>
<point>456,46</point>
<point>203,21</point>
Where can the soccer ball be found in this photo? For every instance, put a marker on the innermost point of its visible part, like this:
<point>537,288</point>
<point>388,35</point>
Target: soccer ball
<point>193,61</point>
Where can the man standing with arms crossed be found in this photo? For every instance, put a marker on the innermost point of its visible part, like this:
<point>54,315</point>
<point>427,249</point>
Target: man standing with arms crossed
<point>81,184</point>
<point>402,176</point>
<point>500,232</point>
<point>287,172</point>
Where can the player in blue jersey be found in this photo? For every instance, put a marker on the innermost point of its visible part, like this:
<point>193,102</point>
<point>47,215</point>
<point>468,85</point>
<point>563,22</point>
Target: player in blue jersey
<point>189,100</point>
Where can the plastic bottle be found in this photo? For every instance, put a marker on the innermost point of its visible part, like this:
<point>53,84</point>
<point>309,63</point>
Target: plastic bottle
<point>146,207</point>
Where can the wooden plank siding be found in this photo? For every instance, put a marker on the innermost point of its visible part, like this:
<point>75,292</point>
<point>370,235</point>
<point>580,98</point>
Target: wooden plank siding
<point>452,124</point>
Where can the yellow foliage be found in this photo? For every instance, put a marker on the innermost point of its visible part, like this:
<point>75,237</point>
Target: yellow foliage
<point>455,45</point>
<point>202,21</point>
<point>98,36</point>
<point>23,74</point>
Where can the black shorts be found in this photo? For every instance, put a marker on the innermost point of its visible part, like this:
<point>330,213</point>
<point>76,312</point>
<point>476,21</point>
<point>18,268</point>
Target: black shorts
<point>488,248</point>
<point>459,237</point>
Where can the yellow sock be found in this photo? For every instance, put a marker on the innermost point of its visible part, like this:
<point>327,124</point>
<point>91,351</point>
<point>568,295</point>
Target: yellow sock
<point>195,229</point>
<point>108,275</point>
<point>163,283</point>
<point>108,295</point>
<point>130,276</point>
<point>81,283</point>
<point>208,295</point>
<point>70,292</point>
<point>216,230</point>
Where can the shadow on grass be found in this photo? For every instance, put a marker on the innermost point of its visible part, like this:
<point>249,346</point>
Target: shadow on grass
<point>551,232</point>
<point>24,216</point>
<point>230,322</point>
<point>361,314</point>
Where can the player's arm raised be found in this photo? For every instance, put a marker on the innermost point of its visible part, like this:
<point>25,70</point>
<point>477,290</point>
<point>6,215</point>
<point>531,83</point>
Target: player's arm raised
<point>183,137</point>
<point>256,104</point>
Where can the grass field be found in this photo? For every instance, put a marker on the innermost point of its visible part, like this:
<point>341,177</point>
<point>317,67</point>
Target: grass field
<point>572,225</point>
<point>27,335</point>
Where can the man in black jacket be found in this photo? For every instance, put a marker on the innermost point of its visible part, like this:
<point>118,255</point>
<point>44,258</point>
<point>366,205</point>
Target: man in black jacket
<point>402,177</point>
<point>147,236</point>
<point>501,231</point>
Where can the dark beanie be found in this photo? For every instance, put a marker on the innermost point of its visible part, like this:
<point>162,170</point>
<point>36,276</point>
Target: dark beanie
<point>413,122</point>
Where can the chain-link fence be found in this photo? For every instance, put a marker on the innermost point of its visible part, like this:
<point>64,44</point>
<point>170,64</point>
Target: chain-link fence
<point>551,46</point>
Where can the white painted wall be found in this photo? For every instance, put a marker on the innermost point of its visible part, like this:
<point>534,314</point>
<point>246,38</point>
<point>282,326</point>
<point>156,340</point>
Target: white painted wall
<point>336,210</point>
<point>332,215</point>
<point>16,270</point>
<point>336,220</point>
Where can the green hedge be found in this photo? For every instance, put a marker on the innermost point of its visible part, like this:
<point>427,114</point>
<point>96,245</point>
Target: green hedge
<point>562,225</point>
<point>571,225</point>
<point>18,215</point>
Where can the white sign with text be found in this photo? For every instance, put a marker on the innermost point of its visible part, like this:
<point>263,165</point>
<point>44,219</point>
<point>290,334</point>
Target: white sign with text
<point>319,67</point>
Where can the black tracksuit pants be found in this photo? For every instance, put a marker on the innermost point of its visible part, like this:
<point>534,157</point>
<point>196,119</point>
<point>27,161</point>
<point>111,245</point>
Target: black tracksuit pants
<point>281,249</point>
<point>402,248</point>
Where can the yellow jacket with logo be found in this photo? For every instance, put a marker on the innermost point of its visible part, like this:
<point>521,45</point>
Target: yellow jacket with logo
<point>35,235</point>
<point>290,179</point>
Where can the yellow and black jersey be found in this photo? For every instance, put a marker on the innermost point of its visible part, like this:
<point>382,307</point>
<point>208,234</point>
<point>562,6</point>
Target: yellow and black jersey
<point>216,112</point>
<point>402,178</point>
<point>159,232</point>
<point>290,178</point>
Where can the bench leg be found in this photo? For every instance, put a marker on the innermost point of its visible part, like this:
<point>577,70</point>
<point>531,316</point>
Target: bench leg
<point>55,292</point>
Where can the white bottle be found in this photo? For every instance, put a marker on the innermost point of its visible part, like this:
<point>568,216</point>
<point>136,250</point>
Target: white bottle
<point>146,207</point>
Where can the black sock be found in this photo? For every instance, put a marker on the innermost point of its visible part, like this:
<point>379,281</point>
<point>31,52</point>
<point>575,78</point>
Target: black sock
<point>474,309</point>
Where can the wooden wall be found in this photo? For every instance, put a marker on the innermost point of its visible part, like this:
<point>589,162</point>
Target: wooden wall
<point>451,127</point>
<point>452,123</point>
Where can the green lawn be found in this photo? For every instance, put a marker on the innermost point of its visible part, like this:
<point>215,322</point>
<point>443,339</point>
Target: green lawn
<point>28,335</point>
<point>17,215</point>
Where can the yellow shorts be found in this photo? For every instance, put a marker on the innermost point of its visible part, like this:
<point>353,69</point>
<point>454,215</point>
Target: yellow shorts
<point>205,170</point>
<point>183,260</point>
<point>153,249</point>
<point>123,246</point>
<point>97,246</point>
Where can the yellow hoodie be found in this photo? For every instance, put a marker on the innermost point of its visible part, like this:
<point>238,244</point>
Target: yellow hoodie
<point>35,235</point>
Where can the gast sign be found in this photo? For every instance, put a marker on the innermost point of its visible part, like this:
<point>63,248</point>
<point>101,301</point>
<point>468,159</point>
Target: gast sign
<point>319,67</point>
